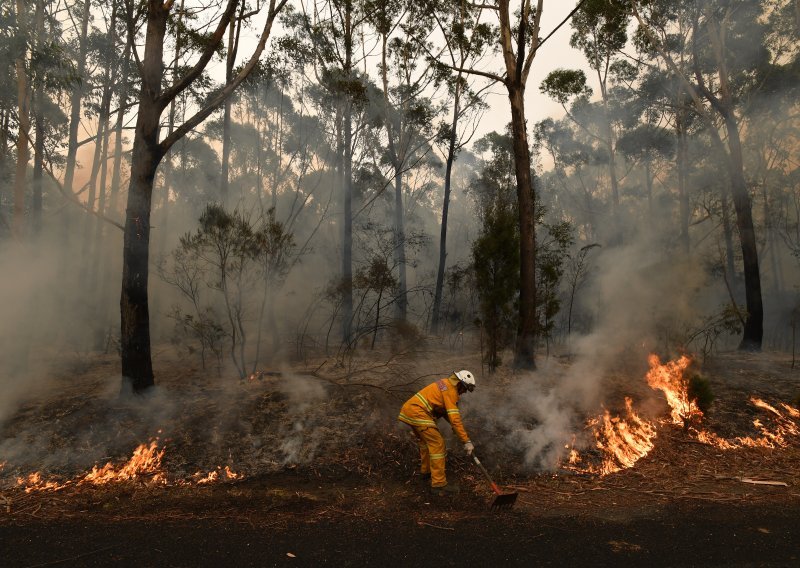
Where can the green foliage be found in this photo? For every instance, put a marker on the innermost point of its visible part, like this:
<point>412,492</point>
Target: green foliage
<point>495,253</point>
<point>647,142</point>
<point>563,84</point>
<point>552,250</point>
<point>237,258</point>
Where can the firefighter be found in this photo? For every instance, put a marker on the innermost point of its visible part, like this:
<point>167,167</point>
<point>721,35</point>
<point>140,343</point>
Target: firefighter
<point>438,400</point>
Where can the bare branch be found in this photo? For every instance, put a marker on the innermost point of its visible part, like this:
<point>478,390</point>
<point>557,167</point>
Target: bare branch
<point>215,103</point>
<point>213,42</point>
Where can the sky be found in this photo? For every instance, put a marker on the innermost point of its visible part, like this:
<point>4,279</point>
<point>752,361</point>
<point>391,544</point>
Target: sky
<point>555,54</point>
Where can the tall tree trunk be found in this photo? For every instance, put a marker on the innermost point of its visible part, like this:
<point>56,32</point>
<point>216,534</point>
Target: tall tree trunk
<point>233,45</point>
<point>347,186</point>
<point>137,366</point>
<point>38,121</point>
<point>754,326</point>
<point>616,236</point>
<point>448,174</point>
<point>682,166</point>
<point>347,237</point>
<point>23,118</point>
<point>524,355</point>
<point>75,102</point>
<point>100,256</point>
<point>401,305</point>
<point>111,262</point>
<point>727,235</point>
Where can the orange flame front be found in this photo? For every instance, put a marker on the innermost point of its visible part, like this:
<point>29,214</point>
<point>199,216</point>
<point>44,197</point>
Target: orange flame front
<point>623,441</point>
<point>669,379</point>
<point>145,463</point>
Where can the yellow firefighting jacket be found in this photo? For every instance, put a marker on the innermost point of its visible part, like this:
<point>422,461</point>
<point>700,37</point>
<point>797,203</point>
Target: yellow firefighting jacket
<point>437,400</point>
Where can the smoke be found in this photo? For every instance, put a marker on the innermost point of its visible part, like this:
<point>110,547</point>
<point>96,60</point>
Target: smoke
<point>633,294</point>
<point>301,437</point>
<point>25,315</point>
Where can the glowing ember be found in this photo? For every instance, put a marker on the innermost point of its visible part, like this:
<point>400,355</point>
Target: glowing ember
<point>669,379</point>
<point>216,475</point>
<point>34,482</point>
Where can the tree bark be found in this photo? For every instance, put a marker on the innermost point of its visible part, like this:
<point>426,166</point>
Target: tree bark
<point>524,355</point>
<point>401,305</point>
<point>347,237</point>
<point>448,174</point>
<point>23,118</point>
<point>137,367</point>
<point>347,187</point>
<point>517,66</point>
<point>682,166</point>
<point>39,134</point>
<point>75,102</point>
<point>754,326</point>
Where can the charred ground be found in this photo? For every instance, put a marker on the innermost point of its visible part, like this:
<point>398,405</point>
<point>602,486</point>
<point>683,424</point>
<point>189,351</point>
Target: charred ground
<point>329,476</point>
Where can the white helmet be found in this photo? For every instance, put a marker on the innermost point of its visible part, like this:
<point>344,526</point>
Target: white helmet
<point>466,378</point>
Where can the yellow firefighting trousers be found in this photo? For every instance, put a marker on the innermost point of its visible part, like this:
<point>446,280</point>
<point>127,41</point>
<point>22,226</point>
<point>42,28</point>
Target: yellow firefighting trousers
<point>431,453</point>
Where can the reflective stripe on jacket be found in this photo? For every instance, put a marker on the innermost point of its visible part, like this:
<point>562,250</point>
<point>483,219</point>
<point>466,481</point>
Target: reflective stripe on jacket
<point>437,400</point>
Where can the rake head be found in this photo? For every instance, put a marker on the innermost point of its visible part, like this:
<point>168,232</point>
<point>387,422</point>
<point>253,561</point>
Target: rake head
<point>504,501</point>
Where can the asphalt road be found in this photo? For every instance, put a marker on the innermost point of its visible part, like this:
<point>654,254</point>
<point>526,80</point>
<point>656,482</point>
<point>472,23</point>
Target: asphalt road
<point>707,535</point>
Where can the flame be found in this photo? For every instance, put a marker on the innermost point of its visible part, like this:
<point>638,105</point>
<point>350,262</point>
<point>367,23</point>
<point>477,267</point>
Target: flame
<point>146,460</point>
<point>669,379</point>
<point>145,463</point>
<point>216,475</point>
<point>622,441</point>
<point>34,482</point>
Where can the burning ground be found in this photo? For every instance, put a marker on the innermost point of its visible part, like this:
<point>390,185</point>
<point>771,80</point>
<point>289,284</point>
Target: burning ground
<point>318,444</point>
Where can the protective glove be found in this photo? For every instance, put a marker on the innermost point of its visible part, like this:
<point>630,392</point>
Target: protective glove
<point>469,447</point>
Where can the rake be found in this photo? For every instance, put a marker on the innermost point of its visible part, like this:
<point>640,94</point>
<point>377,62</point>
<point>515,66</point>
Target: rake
<point>501,500</point>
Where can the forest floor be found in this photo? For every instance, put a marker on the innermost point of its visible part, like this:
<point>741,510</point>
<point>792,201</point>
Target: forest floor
<point>321,473</point>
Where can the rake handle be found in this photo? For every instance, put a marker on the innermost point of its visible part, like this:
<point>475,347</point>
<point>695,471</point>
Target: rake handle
<point>486,473</point>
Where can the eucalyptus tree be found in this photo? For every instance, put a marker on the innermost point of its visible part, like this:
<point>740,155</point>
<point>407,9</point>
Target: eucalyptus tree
<point>466,42</point>
<point>600,32</point>
<point>495,253</point>
<point>408,113</point>
<point>22,70</point>
<point>726,42</point>
<point>575,160</point>
<point>335,30</point>
<point>517,39</point>
<point>148,151</point>
<point>83,11</point>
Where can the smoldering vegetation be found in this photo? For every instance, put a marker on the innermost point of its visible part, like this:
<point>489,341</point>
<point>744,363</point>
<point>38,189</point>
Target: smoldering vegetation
<point>267,352</point>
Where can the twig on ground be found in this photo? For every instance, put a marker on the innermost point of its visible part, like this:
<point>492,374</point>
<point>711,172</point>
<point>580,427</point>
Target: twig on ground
<point>435,526</point>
